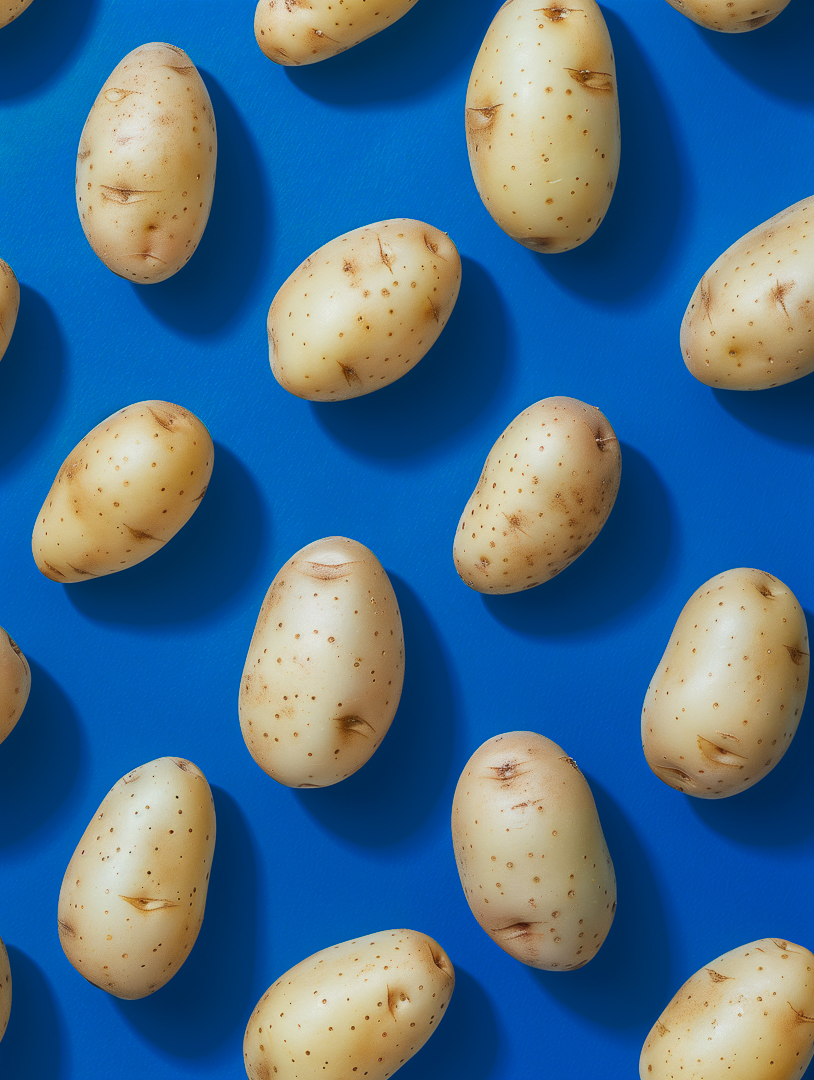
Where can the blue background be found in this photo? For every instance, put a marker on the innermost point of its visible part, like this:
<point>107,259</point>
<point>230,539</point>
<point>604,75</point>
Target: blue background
<point>717,136</point>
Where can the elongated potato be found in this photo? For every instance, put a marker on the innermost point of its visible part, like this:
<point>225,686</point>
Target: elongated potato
<point>325,668</point>
<point>542,123</point>
<point>749,324</point>
<point>15,683</point>
<point>132,899</point>
<point>730,16</point>
<point>531,854</point>
<point>145,170</point>
<point>749,1014</point>
<point>361,1008</point>
<point>726,698</point>
<point>296,32</point>
<point>5,989</point>
<point>9,305</point>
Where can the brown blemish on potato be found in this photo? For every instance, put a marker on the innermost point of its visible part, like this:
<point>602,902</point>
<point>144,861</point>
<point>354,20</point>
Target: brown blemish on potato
<point>79,570</point>
<point>592,80</point>
<point>542,243</point>
<point>508,771</point>
<point>764,590</point>
<point>123,195</point>
<point>147,904</point>
<point>53,572</point>
<point>326,571</point>
<point>394,999</point>
<point>801,1015</point>
<point>66,928</point>
<point>166,419</point>
<point>779,292</point>
<point>557,14</point>
<point>719,754</point>
<point>795,653</point>
<point>674,774</point>
<point>716,976</point>
<point>572,763</point>
<point>386,259</point>
<point>139,535</point>
<point>431,247</point>
<point>185,70</point>
<point>482,119</point>
<point>662,1029</point>
<point>349,373</point>
<point>199,497</point>
<point>354,725</point>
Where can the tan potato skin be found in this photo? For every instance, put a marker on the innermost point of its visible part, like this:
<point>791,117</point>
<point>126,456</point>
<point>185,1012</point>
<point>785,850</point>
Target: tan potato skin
<point>296,32</point>
<point>546,490</point>
<point>9,305</point>
<point>726,698</point>
<point>361,1008</point>
<point>749,1015</point>
<point>729,16</point>
<point>132,899</point>
<point>749,324</point>
<point>5,989</point>
<point>542,123</point>
<point>531,854</point>
<point>145,170</point>
<point>325,667</point>
<point>123,492</point>
<point>10,9</point>
<point>15,683</point>
<point>363,310</point>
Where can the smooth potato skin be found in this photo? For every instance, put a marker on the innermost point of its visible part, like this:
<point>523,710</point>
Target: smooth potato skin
<point>123,492</point>
<point>546,490</point>
<point>10,9</point>
<point>749,1015</point>
<point>325,667</point>
<point>729,16</point>
<point>361,1008</point>
<point>9,305</point>
<point>727,696</point>
<point>531,854</point>
<point>15,683</point>
<point>5,989</point>
<point>145,169</point>
<point>749,324</point>
<point>542,123</point>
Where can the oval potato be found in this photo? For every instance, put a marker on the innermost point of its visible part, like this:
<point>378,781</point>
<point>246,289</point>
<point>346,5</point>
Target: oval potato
<point>361,1008</point>
<point>15,683</point>
<point>133,896</point>
<point>730,16</point>
<point>726,698</point>
<point>531,853</point>
<point>363,310</point>
<point>123,492</point>
<point>325,667</point>
<point>145,169</point>
<point>9,305</point>
<point>296,32</point>
<point>5,989</point>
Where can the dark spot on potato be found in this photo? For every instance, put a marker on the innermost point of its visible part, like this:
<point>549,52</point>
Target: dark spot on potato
<point>593,80</point>
<point>139,535</point>
<point>716,976</point>
<point>795,653</point>
<point>147,903</point>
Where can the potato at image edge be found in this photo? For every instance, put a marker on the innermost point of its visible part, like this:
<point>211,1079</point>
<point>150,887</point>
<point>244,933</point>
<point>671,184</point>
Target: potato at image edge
<point>5,989</point>
<point>9,305</point>
<point>729,16</point>
<point>15,683</point>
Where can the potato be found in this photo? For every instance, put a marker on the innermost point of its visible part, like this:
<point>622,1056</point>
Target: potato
<point>361,1008</point>
<point>542,123</point>
<point>363,310</point>
<point>731,16</point>
<point>749,1015</point>
<point>545,492</point>
<point>531,854</point>
<point>10,9</point>
<point>9,305</point>
<point>133,896</point>
<point>5,989</point>
<point>750,322</point>
<point>295,32</point>
<point>15,683</point>
<point>325,668</point>
<point>726,698</point>
<point>123,492</point>
<point>145,170</point>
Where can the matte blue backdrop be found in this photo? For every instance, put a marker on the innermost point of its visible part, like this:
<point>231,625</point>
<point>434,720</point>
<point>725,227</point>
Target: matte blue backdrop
<point>717,136</point>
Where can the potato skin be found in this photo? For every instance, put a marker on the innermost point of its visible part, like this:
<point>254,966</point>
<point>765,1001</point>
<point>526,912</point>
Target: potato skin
<point>542,123</point>
<point>749,324</point>
<point>133,896</point>
<point>123,492</point>
<point>749,1014</point>
<point>546,490</point>
<point>363,309</point>
<point>10,9</point>
<point>728,16</point>
<point>297,32</point>
<point>361,1008</point>
<point>5,989</point>
<point>9,305</point>
<point>726,698</point>
<point>325,667</point>
<point>145,169</point>
<point>15,683</point>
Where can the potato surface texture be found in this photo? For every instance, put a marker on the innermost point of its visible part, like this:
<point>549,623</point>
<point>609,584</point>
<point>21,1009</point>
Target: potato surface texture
<point>730,16</point>
<point>363,310</point>
<point>9,305</point>
<point>749,1015</point>
<point>10,9</point>
<point>15,683</point>
<point>727,696</point>
<point>5,989</point>
<point>361,1008</point>
<point>542,123</point>
<point>295,32</point>
<point>531,854</point>
<point>145,170</point>
<point>545,492</point>
<point>325,667</point>
<point>123,492</point>
<point>749,324</point>
<point>133,896</point>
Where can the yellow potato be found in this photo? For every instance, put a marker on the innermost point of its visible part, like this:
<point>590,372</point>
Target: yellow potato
<point>9,305</point>
<point>730,16</point>
<point>15,683</point>
<point>5,989</point>
<point>10,9</point>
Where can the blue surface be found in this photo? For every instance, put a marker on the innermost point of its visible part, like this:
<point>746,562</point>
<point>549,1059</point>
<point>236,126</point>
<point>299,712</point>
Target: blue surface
<point>717,137</point>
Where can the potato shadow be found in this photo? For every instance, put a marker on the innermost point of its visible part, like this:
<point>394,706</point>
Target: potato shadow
<point>218,280</point>
<point>394,793</point>
<point>618,570</point>
<point>200,569</point>
<point>446,390</point>
<point>783,412</point>
<point>39,42</point>
<point>33,1045</point>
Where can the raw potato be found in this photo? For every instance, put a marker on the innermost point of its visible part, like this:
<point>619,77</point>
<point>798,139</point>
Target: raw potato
<point>750,322</point>
<point>725,701</point>
<point>295,32</point>
<point>325,668</point>
<point>123,492</point>
<point>730,16</point>
<point>363,310</point>
<point>10,9</point>
<point>15,683</point>
<point>9,305</point>
<point>531,854</point>
<point>544,494</point>
<point>5,989</point>
<point>542,123</point>
<point>361,1008</point>
<point>145,170</point>
<point>749,1015</point>
<point>133,896</point>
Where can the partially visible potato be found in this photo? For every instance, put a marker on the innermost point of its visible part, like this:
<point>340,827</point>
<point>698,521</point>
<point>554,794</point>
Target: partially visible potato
<point>10,9</point>
<point>9,305</point>
<point>5,989</point>
<point>15,683</point>
<point>730,16</point>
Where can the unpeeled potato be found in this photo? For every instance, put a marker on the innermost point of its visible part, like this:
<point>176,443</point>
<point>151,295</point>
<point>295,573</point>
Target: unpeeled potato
<point>15,683</point>
<point>730,16</point>
<point>9,305</point>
